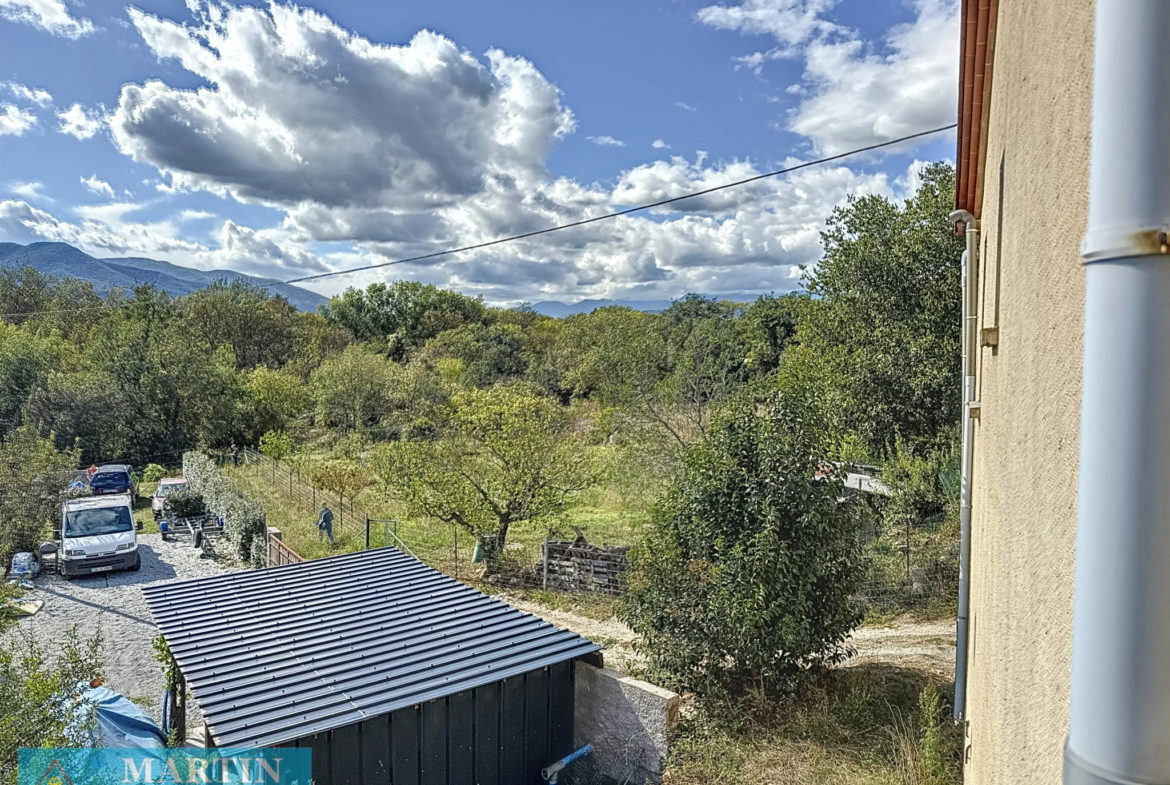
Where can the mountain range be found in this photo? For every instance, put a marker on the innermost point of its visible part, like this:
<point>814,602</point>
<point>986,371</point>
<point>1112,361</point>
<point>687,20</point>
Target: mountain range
<point>61,260</point>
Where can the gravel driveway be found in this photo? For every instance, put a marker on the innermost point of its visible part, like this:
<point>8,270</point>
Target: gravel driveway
<point>113,605</point>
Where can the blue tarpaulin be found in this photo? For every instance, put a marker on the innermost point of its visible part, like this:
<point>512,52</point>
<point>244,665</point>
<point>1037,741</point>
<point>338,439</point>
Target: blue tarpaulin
<point>120,723</point>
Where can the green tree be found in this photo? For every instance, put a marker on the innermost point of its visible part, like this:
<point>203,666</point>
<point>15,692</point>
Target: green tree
<point>478,355</point>
<point>343,477</point>
<point>883,322</point>
<point>403,315</point>
<point>746,574</point>
<point>356,389</point>
<point>33,479</point>
<point>260,329</point>
<point>276,444</point>
<point>144,387</point>
<point>272,400</point>
<point>25,363</point>
<point>770,325</point>
<point>507,456</point>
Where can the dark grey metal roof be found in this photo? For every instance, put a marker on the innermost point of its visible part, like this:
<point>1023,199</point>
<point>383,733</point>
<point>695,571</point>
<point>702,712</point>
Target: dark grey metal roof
<point>278,654</point>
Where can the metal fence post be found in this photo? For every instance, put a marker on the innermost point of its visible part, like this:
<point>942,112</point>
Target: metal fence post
<point>367,531</point>
<point>544,560</point>
<point>340,509</point>
<point>455,526</point>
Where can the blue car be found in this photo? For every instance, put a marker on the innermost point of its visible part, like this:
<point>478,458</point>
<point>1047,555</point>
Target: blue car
<point>111,478</point>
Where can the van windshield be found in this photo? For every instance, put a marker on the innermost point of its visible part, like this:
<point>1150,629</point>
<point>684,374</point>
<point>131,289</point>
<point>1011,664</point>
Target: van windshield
<point>111,480</point>
<point>167,490</point>
<point>106,520</point>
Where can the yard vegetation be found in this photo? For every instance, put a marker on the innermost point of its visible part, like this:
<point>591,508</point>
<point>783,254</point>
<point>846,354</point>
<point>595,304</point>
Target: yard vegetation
<point>712,437</point>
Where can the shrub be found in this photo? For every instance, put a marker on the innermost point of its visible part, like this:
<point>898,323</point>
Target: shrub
<point>41,698</point>
<point>243,518</point>
<point>153,473</point>
<point>33,480</point>
<point>746,575</point>
<point>184,504</point>
<point>276,444</point>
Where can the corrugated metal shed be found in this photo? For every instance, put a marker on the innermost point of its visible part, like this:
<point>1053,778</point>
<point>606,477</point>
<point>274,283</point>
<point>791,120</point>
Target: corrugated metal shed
<point>281,654</point>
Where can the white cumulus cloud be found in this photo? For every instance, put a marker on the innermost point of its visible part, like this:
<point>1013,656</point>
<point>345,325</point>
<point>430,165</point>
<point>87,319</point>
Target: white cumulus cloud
<point>99,187</point>
<point>79,122</point>
<point>35,94</point>
<point>658,144</point>
<point>49,15</point>
<point>791,22</point>
<point>606,141</point>
<point>394,150</point>
<point>14,121</point>
<point>29,190</point>
<point>300,110</point>
<point>858,97</point>
<point>856,92</point>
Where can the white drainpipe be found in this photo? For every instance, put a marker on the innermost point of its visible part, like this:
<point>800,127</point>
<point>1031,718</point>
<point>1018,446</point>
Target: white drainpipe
<point>1119,716</point>
<point>970,311</point>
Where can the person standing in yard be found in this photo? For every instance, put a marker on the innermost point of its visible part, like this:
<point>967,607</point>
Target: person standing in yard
<point>235,455</point>
<point>325,524</point>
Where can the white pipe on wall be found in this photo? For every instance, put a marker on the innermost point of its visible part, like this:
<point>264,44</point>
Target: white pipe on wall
<point>1119,715</point>
<point>970,312</point>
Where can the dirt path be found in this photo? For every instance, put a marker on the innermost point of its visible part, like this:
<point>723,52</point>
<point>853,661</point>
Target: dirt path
<point>615,636</point>
<point>925,646</point>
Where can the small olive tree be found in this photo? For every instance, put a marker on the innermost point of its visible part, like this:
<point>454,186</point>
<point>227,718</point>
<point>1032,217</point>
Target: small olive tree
<point>746,575</point>
<point>507,455</point>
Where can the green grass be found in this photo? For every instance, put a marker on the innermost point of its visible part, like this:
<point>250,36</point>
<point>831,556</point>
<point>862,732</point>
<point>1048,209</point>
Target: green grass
<point>142,510</point>
<point>600,516</point>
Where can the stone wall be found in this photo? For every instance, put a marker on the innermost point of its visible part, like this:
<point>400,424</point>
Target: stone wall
<point>628,722</point>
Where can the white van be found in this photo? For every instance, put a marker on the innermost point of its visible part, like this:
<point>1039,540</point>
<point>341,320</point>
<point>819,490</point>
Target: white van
<point>98,535</point>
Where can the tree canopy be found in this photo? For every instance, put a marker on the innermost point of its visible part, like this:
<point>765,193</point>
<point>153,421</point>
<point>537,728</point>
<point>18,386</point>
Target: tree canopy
<point>507,456</point>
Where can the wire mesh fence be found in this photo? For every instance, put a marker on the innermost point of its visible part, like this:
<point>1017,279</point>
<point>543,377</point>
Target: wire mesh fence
<point>288,481</point>
<point>905,568</point>
<point>571,566</point>
<point>911,568</point>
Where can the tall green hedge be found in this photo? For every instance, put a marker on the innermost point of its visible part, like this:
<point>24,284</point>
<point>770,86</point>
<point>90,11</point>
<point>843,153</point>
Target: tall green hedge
<point>243,518</point>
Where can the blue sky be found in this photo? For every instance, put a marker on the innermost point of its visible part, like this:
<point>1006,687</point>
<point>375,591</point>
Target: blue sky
<point>286,140</point>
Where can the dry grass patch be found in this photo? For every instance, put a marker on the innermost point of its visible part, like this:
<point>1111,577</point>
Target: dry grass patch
<point>867,725</point>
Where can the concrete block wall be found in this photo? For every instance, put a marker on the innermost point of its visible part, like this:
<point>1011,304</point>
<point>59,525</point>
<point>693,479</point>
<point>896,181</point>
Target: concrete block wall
<point>628,722</point>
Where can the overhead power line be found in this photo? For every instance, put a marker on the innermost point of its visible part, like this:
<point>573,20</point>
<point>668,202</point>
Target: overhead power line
<point>627,211</point>
<point>559,227</point>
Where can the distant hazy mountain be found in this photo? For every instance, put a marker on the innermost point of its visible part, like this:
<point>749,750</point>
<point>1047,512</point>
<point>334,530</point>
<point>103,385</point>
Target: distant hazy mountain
<point>60,260</point>
<point>559,309</point>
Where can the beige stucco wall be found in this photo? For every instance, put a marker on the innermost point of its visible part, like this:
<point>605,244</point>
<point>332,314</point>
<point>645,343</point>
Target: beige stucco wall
<point>1024,506</point>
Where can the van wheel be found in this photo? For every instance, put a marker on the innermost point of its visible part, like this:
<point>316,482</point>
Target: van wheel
<point>137,563</point>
